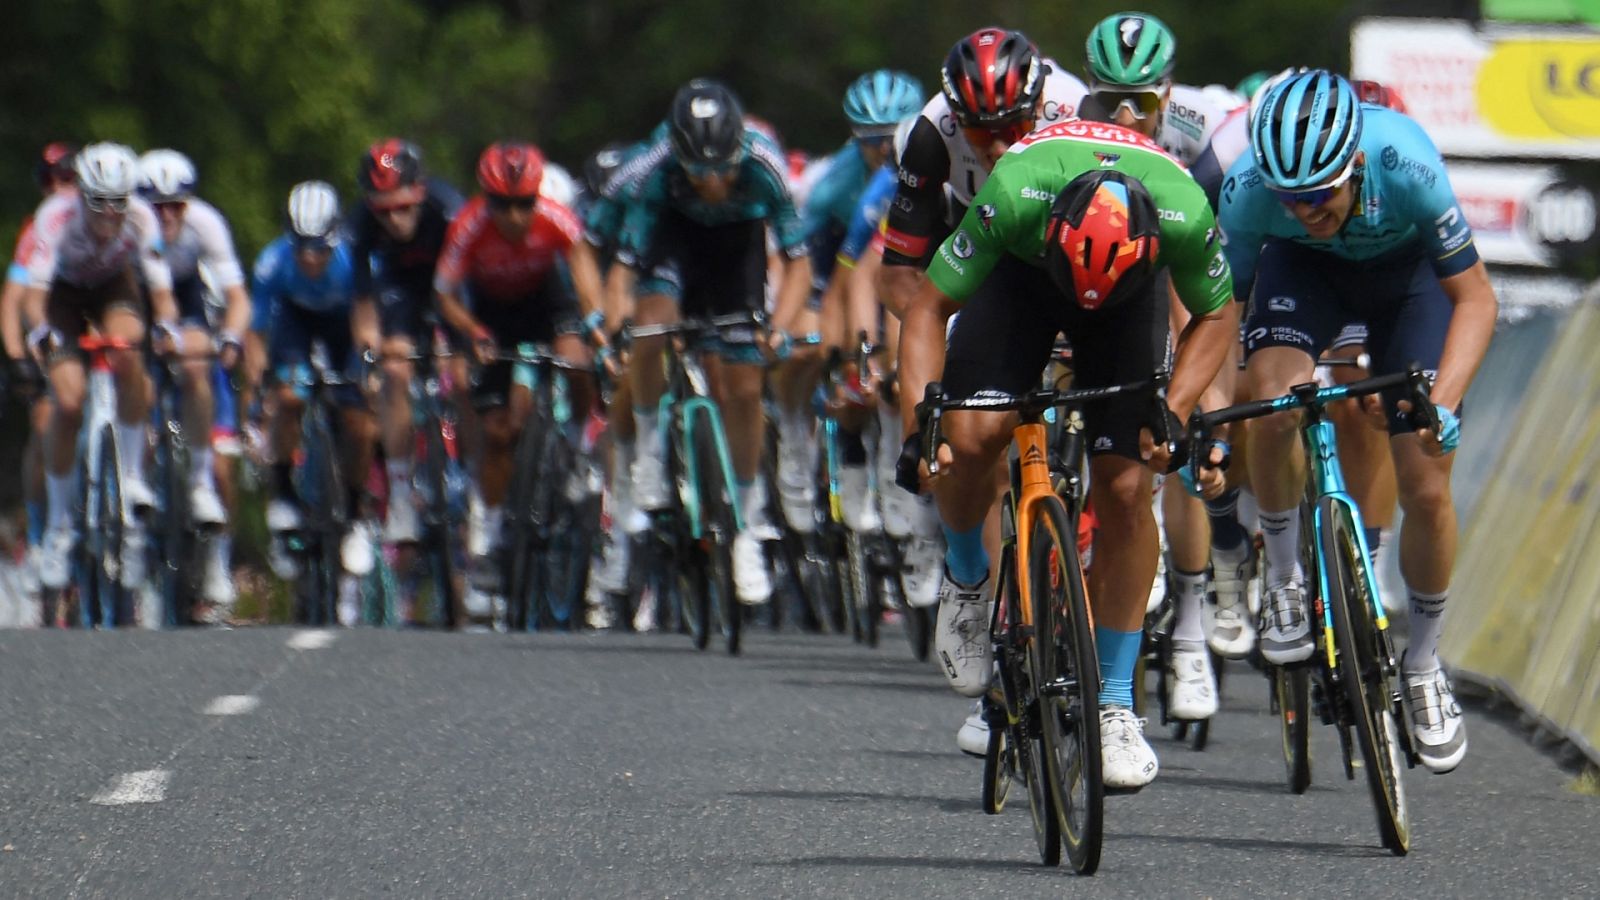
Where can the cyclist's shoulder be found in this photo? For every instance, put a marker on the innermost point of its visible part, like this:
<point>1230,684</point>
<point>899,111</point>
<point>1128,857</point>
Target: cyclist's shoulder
<point>1063,94</point>
<point>274,260</point>
<point>1192,116</point>
<point>1400,155</point>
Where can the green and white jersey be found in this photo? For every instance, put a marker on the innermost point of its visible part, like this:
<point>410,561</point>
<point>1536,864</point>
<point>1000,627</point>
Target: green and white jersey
<point>1010,212</point>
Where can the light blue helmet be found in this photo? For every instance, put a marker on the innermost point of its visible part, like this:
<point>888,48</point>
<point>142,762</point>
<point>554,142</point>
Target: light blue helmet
<point>1305,130</point>
<point>882,99</point>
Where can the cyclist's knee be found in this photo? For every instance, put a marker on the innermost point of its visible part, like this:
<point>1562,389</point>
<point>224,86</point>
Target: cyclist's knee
<point>498,431</point>
<point>1121,491</point>
<point>976,441</point>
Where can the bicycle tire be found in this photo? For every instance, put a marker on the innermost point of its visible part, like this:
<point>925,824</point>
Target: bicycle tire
<point>112,531</point>
<point>998,762</point>
<point>688,555</point>
<point>327,518</point>
<point>1068,675</point>
<point>718,530</point>
<point>1291,700</point>
<point>1361,671</point>
<point>863,593</point>
<point>169,561</point>
<point>440,535</point>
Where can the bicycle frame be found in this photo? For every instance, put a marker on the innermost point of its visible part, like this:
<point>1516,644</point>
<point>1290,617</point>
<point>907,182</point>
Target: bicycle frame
<point>687,400</point>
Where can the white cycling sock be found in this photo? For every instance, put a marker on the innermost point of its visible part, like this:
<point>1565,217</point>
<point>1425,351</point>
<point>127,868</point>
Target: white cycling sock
<point>200,473</point>
<point>1281,532</point>
<point>1189,590</point>
<point>58,491</point>
<point>131,447</point>
<point>399,479</point>
<point>753,503</point>
<point>648,438</point>
<point>1426,621</point>
<point>492,517</point>
<point>1249,512</point>
<point>794,427</point>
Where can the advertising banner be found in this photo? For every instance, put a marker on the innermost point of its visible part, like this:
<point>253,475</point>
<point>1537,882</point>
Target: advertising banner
<point>1492,93</point>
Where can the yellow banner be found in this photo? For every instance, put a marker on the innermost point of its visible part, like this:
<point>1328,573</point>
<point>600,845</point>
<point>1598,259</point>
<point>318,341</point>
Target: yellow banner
<point>1542,88</point>
<point>1525,605</point>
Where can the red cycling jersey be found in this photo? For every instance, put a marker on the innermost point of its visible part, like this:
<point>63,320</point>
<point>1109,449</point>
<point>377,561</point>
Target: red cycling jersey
<point>476,253</point>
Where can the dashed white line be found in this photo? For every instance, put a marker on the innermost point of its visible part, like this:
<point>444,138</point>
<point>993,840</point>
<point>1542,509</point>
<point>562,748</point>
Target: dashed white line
<point>232,705</point>
<point>149,786</point>
<point>312,640</point>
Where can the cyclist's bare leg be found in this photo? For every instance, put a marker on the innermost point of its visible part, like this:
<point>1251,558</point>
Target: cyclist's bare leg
<point>738,392</point>
<point>644,370</point>
<point>1125,545</point>
<point>580,385</point>
<point>68,390</point>
<point>498,435</point>
<point>1278,470</point>
<point>394,399</point>
<point>358,440</point>
<point>198,402</point>
<point>1428,534</point>
<point>965,490</point>
<point>283,425</point>
<point>127,366</point>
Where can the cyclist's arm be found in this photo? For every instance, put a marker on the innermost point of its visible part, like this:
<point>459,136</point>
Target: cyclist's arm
<point>11,318</point>
<point>1467,340</point>
<point>861,294</point>
<point>1192,250</point>
<point>620,283</point>
<point>792,291</point>
<point>456,314</point>
<point>584,265</point>
<point>922,347</point>
<point>914,216</point>
<point>365,327</point>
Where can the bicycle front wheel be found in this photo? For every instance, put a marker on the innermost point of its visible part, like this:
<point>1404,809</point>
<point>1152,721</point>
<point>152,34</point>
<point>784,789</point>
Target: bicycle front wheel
<point>1363,671</point>
<point>717,532</point>
<point>1291,699</point>
<point>1068,684</point>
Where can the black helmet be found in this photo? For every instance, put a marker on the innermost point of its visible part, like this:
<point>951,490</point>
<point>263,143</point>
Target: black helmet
<point>597,169</point>
<point>707,124</point>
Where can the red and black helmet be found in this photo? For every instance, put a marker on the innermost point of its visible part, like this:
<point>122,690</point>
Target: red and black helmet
<point>992,77</point>
<point>1379,94</point>
<point>389,165</point>
<point>1102,239</point>
<point>511,169</point>
<point>55,163</point>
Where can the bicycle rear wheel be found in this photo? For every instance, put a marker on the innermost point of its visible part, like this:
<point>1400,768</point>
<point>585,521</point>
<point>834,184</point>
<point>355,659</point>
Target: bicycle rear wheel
<point>865,608</point>
<point>112,594</point>
<point>1363,671</point>
<point>1069,684</point>
<point>440,536</point>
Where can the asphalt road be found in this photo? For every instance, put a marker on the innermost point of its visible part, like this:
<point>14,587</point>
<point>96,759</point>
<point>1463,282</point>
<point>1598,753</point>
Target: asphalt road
<point>414,764</point>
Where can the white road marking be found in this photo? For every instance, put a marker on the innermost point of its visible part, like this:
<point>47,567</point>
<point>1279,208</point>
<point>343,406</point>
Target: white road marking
<point>232,705</point>
<point>149,786</point>
<point>312,640</point>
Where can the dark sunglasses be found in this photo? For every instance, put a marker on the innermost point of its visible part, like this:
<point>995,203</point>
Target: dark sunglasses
<point>506,204</point>
<point>170,206</point>
<point>312,245</point>
<point>1008,132</point>
<point>391,209</point>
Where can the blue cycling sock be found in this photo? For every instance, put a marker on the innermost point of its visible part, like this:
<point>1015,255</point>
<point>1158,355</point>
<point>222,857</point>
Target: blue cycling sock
<point>1119,650</point>
<point>1223,511</point>
<point>35,523</point>
<point>964,556</point>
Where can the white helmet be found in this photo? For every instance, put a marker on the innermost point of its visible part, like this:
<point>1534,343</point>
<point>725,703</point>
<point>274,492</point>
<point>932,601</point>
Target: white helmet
<point>107,170</point>
<point>314,211</point>
<point>556,184</point>
<point>166,175</point>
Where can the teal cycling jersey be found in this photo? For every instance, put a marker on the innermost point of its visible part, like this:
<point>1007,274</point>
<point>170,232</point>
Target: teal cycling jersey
<point>1405,206</point>
<point>602,221</point>
<point>837,194</point>
<point>760,192</point>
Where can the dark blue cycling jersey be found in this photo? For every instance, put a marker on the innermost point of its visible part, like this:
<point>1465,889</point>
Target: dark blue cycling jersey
<point>868,217</point>
<point>1406,206</point>
<point>277,279</point>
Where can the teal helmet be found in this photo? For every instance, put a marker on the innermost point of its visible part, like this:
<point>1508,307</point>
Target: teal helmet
<point>882,99</point>
<point>1131,49</point>
<point>1251,83</point>
<point>1305,130</point>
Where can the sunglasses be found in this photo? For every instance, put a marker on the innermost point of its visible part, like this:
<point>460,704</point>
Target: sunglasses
<point>171,207</point>
<point>1141,104</point>
<point>983,134</point>
<point>708,170</point>
<point>874,141</point>
<point>1317,196</point>
<point>392,209</point>
<point>105,204</point>
<point>312,245</point>
<point>506,204</point>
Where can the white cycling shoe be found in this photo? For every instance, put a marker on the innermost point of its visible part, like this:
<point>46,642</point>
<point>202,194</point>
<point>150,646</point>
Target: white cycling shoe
<point>54,557</point>
<point>205,506</point>
<point>649,476</point>
<point>1286,631</point>
<point>751,580</point>
<point>973,738</point>
<point>1438,732</point>
<point>355,550</point>
<point>961,638</point>
<point>1191,684</point>
<point>796,487</point>
<point>1126,761</point>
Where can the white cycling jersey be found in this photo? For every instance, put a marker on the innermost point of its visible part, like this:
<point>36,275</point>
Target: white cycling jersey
<point>1063,94</point>
<point>205,239</point>
<point>64,249</point>
<point>1192,117</point>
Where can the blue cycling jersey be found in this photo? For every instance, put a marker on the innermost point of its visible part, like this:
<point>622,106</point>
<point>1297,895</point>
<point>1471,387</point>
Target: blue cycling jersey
<point>759,193</point>
<point>870,210</point>
<point>1406,206</point>
<point>277,279</point>
<point>602,221</point>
